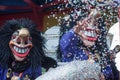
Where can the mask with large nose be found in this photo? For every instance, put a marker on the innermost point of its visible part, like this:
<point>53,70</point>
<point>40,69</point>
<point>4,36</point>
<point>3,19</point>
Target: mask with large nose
<point>21,44</point>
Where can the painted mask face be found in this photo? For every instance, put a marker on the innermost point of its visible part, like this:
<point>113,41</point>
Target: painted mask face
<point>21,44</point>
<point>90,32</point>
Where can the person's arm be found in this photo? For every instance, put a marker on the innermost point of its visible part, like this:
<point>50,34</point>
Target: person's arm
<point>72,37</point>
<point>69,39</point>
<point>70,47</point>
<point>70,43</point>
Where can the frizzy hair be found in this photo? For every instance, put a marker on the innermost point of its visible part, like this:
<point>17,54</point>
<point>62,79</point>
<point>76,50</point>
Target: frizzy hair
<point>6,31</point>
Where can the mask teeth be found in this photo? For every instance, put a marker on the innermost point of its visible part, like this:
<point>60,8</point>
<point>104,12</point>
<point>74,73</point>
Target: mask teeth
<point>90,33</point>
<point>20,50</point>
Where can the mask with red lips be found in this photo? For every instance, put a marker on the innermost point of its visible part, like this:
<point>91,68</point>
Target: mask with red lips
<point>90,30</point>
<point>21,44</point>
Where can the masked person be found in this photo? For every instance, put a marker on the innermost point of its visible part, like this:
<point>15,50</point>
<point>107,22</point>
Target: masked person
<point>21,49</point>
<point>86,39</point>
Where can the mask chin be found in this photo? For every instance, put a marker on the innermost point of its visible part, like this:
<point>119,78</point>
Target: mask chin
<point>17,58</point>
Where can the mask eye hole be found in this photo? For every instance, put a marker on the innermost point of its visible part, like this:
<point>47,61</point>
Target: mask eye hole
<point>26,41</point>
<point>14,36</point>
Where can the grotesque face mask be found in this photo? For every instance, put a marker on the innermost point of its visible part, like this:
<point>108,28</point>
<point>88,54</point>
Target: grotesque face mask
<point>90,31</point>
<point>21,44</point>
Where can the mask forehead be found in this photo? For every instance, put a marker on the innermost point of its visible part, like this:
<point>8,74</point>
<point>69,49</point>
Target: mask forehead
<point>24,32</point>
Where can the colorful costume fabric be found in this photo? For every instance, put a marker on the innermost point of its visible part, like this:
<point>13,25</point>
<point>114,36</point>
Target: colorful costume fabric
<point>25,75</point>
<point>69,47</point>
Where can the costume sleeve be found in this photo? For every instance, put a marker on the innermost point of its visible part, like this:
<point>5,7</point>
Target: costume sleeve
<point>38,72</point>
<point>69,45</point>
<point>68,39</point>
<point>33,74</point>
<point>3,72</point>
<point>107,71</point>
